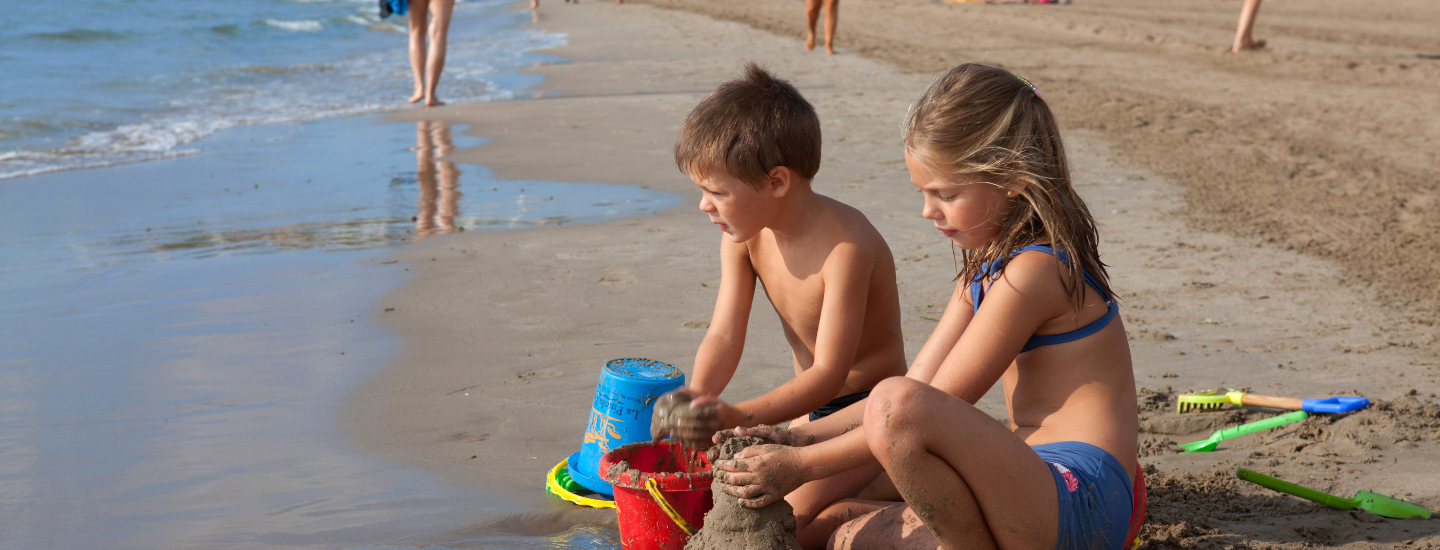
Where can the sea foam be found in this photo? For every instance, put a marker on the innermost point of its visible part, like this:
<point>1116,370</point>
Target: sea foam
<point>307,25</point>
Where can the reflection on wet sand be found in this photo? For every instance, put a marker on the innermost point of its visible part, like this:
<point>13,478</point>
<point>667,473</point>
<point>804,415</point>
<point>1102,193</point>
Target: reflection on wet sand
<point>439,180</point>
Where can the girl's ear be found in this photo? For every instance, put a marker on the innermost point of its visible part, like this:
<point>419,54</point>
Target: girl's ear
<point>1016,185</point>
<point>779,181</point>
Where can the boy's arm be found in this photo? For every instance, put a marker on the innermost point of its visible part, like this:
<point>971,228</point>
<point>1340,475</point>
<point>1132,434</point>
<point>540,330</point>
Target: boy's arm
<point>719,353</point>
<point>842,314</point>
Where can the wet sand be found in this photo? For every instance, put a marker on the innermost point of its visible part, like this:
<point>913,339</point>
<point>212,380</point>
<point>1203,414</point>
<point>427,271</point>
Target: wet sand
<point>503,334</point>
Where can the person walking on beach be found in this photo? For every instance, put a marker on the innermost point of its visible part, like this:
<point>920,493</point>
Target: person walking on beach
<point>426,65</point>
<point>1243,40</point>
<point>832,18</point>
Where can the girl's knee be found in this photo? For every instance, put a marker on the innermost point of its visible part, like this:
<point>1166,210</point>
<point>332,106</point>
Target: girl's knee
<point>893,398</point>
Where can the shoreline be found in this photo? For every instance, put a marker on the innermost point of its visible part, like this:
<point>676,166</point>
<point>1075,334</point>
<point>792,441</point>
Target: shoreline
<point>503,334</point>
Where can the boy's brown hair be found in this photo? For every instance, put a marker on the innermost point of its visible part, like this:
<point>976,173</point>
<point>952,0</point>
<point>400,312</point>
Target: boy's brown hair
<point>747,127</point>
<point>988,123</point>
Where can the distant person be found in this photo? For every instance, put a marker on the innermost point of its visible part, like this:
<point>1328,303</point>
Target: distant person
<point>832,17</point>
<point>1243,40</point>
<point>427,66</point>
<point>752,147</point>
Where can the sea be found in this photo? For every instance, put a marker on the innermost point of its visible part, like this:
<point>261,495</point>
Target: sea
<point>198,203</point>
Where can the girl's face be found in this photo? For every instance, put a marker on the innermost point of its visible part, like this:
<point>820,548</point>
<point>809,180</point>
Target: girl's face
<point>963,208</point>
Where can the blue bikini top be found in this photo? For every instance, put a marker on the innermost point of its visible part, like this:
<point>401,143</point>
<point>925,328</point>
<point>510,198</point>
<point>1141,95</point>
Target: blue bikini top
<point>992,269</point>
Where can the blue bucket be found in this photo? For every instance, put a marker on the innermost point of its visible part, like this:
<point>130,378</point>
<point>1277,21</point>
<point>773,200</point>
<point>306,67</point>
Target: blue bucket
<point>624,401</point>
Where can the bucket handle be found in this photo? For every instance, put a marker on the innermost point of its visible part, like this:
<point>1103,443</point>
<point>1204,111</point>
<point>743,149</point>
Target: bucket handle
<point>654,488</point>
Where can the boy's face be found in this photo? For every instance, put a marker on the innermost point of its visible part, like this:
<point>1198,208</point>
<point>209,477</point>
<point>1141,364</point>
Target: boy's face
<point>969,213</point>
<point>740,210</point>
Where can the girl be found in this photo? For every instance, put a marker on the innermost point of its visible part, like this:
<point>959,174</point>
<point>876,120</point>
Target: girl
<point>1032,307</point>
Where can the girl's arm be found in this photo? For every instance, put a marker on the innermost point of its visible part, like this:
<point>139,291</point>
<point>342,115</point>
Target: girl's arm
<point>763,474</point>
<point>1016,304</point>
<point>719,353</point>
<point>958,313</point>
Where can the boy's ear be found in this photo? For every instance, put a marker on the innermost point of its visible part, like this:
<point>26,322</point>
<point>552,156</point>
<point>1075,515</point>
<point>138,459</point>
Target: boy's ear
<point>779,181</point>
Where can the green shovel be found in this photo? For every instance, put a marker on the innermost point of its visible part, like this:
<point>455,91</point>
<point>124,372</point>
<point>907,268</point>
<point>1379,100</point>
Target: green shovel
<point>1375,503</point>
<point>1243,429</point>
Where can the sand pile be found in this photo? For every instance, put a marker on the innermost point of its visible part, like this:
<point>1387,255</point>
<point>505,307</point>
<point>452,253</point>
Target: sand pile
<point>730,526</point>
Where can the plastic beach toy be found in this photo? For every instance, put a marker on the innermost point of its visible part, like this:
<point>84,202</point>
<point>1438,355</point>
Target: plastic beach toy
<point>1244,429</point>
<point>1375,503</point>
<point>1214,399</point>
<point>624,401</point>
<point>559,483</point>
<point>662,498</point>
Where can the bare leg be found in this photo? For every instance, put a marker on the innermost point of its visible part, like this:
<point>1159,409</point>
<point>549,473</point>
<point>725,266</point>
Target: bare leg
<point>1243,39</point>
<point>435,63</point>
<point>417,47</point>
<point>822,506</point>
<point>968,479</point>
<point>534,4</point>
<point>832,18</point>
<point>812,15</point>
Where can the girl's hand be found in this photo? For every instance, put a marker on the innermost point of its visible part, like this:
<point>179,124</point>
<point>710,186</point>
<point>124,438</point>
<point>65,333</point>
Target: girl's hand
<point>771,434</point>
<point>762,474</point>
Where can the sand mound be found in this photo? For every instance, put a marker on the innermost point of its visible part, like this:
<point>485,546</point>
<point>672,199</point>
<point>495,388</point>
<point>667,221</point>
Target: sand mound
<point>730,526</point>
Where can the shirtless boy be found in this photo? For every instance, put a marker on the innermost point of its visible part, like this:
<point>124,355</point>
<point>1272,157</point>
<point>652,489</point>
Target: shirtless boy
<point>752,147</point>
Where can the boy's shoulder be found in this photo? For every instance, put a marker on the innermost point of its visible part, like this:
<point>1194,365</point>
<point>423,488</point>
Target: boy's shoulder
<point>849,225</point>
<point>838,235</point>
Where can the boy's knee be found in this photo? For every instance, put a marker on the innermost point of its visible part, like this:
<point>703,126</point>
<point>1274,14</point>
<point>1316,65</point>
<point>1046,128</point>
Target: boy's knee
<point>873,530</point>
<point>844,537</point>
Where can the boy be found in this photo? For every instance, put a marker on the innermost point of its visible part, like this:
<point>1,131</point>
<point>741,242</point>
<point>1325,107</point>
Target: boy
<point>752,147</point>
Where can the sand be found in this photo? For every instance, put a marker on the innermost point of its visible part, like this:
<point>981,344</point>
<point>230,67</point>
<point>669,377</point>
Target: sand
<point>730,526</point>
<point>503,334</point>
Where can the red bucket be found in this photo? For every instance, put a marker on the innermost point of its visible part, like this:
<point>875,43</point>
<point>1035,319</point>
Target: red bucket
<point>683,478</point>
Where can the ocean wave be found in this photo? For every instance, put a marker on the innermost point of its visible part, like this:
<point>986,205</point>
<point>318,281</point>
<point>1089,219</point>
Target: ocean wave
<point>304,25</point>
<point>229,96</point>
<point>79,35</point>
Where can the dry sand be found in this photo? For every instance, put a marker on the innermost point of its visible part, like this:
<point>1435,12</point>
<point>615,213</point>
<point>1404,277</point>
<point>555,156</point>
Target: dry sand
<point>503,334</point>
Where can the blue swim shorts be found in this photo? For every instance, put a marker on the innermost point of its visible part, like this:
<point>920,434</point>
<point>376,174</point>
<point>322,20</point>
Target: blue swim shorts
<point>1096,496</point>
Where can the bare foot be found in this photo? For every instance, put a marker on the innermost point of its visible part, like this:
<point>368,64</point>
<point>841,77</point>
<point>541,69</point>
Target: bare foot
<point>829,50</point>
<point>433,102</point>
<point>1254,45</point>
<point>810,41</point>
<point>417,97</point>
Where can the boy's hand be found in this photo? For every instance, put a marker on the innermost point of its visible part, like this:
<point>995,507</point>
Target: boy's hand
<point>690,419</point>
<point>762,474</point>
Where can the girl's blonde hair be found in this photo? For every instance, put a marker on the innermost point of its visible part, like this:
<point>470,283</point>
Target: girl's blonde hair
<point>985,122</point>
